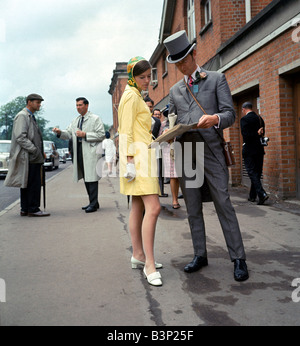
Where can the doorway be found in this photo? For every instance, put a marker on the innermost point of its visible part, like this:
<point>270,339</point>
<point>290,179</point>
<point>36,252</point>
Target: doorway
<point>251,95</point>
<point>297,130</point>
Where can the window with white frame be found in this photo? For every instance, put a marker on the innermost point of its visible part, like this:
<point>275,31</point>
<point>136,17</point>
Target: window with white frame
<point>154,76</point>
<point>191,20</point>
<point>207,11</point>
<point>165,65</point>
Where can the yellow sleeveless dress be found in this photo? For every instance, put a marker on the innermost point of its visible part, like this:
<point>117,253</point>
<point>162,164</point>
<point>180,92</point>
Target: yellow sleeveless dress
<point>134,137</point>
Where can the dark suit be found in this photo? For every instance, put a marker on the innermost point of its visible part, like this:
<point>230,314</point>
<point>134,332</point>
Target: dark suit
<point>214,96</point>
<point>155,133</point>
<point>156,127</point>
<point>253,152</point>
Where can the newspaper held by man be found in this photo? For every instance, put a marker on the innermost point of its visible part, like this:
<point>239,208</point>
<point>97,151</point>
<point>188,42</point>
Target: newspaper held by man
<point>174,131</point>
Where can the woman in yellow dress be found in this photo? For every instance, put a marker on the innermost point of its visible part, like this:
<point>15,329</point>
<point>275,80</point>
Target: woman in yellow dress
<point>138,170</point>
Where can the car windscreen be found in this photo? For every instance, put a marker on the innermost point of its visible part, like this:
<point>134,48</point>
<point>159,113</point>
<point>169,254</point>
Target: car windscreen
<point>4,147</point>
<point>48,146</point>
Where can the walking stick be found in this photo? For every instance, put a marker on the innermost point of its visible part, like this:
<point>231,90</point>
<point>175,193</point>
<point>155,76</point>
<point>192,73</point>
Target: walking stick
<point>43,181</point>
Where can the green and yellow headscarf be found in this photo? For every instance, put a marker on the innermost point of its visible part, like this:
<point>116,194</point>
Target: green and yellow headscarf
<point>130,66</point>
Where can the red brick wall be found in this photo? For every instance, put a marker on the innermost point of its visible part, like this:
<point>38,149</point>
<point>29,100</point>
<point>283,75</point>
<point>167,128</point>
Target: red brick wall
<point>276,109</point>
<point>228,17</point>
<point>117,94</point>
<point>165,83</point>
<point>275,92</point>
<point>258,5</point>
<point>232,17</point>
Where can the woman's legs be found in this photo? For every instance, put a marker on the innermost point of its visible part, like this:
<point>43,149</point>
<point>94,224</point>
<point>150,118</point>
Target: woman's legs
<point>142,229</point>
<point>135,228</point>
<point>152,210</point>
<point>109,166</point>
<point>174,185</point>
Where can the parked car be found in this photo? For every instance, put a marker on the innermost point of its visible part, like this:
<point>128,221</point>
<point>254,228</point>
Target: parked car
<point>52,156</point>
<point>62,156</point>
<point>4,156</point>
<point>67,153</point>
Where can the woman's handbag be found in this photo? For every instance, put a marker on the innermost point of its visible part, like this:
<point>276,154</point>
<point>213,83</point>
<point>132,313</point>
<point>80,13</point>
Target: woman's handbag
<point>227,147</point>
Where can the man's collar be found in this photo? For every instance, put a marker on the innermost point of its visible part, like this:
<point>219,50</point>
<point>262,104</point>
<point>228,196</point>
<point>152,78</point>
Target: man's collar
<point>29,111</point>
<point>198,69</point>
<point>85,115</point>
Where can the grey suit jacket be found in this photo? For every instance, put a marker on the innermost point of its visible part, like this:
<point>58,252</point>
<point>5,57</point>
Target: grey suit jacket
<point>215,97</point>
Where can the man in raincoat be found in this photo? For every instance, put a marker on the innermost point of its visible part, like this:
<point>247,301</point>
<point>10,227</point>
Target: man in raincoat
<point>86,131</point>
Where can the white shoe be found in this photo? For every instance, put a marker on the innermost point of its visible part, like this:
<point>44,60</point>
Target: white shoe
<point>154,278</point>
<point>135,263</point>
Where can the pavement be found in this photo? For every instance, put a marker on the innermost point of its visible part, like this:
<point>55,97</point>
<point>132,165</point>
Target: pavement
<point>73,268</point>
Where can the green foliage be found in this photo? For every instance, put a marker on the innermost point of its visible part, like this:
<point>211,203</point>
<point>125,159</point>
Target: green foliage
<point>8,113</point>
<point>11,109</point>
<point>48,135</point>
<point>106,127</point>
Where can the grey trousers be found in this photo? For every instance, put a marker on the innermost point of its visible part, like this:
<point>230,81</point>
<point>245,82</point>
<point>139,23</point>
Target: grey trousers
<point>216,179</point>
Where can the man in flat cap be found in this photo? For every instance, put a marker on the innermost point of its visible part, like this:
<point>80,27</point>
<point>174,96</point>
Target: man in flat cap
<point>211,91</point>
<point>27,158</point>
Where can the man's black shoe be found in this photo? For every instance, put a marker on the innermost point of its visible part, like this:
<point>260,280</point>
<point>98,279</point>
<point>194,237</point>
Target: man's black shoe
<point>262,200</point>
<point>164,195</point>
<point>251,199</point>
<point>90,209</point>
<point>240,270</point>
<point>85,208</point>
<point>197,263</point>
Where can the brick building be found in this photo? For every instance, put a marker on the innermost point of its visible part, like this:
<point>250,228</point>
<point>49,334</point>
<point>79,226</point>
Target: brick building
<point>255,43</point>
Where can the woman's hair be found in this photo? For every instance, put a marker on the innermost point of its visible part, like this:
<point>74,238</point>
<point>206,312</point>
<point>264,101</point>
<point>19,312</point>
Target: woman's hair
<point>141,67</point>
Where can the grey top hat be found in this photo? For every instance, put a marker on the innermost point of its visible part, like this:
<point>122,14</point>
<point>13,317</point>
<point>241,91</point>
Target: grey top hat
<point>178,46</point>
<point>33,97</point>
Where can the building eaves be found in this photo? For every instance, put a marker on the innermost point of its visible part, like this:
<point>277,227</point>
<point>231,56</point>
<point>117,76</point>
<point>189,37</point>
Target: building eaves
<point>120,71</point>
<point>165,28</point>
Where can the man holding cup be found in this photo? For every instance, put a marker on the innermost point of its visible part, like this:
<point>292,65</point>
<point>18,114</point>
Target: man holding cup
<point>86,131</point>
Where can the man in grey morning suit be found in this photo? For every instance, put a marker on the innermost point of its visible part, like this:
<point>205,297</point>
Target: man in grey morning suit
<point>212,92</point>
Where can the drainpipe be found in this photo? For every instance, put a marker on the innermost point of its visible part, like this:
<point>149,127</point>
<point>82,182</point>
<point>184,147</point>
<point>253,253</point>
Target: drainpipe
<point>248,10</point>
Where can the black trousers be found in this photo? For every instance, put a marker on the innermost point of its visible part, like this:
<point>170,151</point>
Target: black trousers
<point>91,187</point>
<point>160,176</point>
<point>31,196</point>
<point>254,167</point>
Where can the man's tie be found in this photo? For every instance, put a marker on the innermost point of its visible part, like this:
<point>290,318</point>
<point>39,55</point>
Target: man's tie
<point>80,126</point>
<point>33,117</point>
<point>190,81</point>
<point>80,123</point>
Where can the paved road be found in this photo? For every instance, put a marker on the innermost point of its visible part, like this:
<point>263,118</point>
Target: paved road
<point>74,268</point>
<point>9,195</point>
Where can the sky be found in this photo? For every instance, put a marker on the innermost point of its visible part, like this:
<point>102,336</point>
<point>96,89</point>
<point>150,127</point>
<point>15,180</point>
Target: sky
<point>63,49</point>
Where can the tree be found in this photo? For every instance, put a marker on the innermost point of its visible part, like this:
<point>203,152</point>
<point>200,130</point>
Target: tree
<point>8,113</point>
<point>11,109</point>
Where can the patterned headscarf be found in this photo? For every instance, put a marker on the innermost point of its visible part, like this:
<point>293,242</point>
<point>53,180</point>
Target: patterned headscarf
<point>130,66</point>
